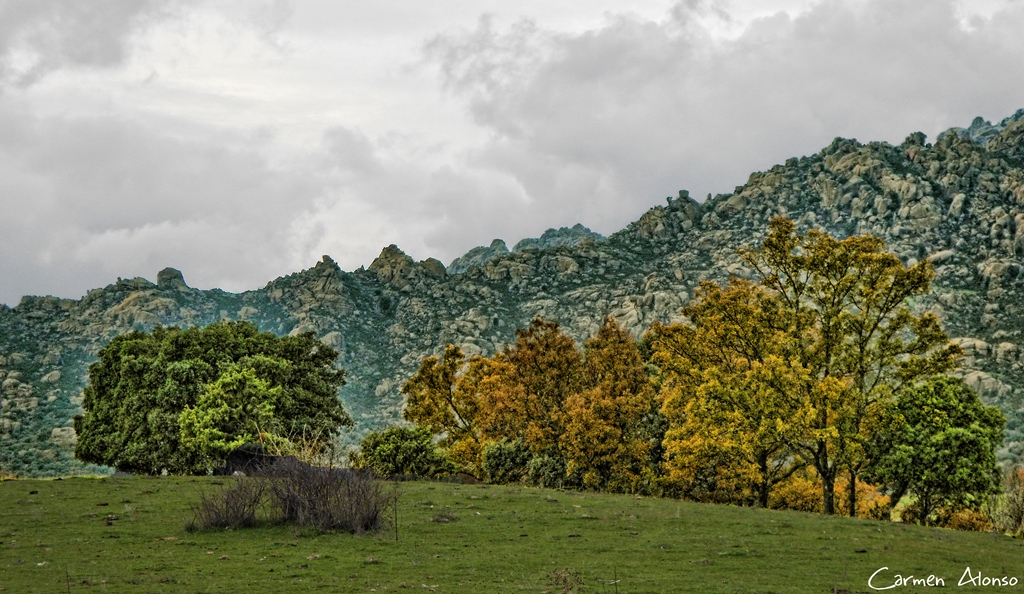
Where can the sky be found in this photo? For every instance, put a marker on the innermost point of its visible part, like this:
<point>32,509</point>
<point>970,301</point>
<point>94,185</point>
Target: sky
<point>241,140</point>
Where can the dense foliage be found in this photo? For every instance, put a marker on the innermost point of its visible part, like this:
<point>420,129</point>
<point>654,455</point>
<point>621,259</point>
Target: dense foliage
<point>179,400</point>
<point>401,450</point>
<point>799,368</point>
<point>590,413</point>
<point>790,390</point>
<point>942,448</point>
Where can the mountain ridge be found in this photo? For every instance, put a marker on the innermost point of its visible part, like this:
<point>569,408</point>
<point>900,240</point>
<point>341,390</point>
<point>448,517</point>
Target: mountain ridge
<point>958,202</point>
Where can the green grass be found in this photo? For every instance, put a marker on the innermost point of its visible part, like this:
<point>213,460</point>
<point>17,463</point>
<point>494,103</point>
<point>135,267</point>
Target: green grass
<point>496,539</point>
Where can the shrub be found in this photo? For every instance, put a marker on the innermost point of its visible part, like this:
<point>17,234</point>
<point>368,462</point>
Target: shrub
<point>401,450</point>
<point>506,461</point>
<point>321,498</point>
<point>800,492</point>
<point>870,502</point>
<point>1009,515</point>
<point>328,498</point>
<point>546,471</point>
<point>964,519</point>
<point>233,506</point>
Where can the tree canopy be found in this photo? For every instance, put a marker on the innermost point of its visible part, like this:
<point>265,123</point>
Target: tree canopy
<point>586,411</point>
<point>802,366</point>
<point>811,375</point>
<point>941,449</point>
<point>178,400</point>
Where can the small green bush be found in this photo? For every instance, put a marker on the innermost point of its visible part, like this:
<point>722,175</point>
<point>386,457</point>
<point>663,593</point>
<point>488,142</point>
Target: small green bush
<point>505,461</point>
<point>546,471</point>
<point>401,450</point>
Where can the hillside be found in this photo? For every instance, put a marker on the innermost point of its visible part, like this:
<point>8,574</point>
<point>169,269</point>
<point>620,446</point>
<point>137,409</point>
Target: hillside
<point>467,538</point>
<point>958,202</point>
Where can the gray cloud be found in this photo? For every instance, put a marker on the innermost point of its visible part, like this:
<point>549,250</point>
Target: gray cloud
<point>37,38</point>
<point>88,199</point>
<point>236,176</point>
<point>597,125</point>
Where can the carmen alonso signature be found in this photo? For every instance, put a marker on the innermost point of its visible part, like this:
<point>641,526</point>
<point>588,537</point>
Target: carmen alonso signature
<point>967,579</point>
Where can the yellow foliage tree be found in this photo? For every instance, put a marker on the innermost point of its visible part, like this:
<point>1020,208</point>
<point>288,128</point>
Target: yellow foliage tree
<point>591,410</point>
<point>442,397</point>
<point>607,440</point>
<point>850,325</point>
<point>804,365</point>
<point>527,386</point>
<point>729,395</point>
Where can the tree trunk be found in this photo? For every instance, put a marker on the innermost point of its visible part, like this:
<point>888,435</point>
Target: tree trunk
<point>828,487</point>
<point>828,479</point>
<point>852,503</point>
<point>765,486</point>
<point>925,501</point>
<point>894,498</point>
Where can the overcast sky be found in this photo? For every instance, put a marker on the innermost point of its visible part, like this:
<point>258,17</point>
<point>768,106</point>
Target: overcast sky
<point>240,140</point>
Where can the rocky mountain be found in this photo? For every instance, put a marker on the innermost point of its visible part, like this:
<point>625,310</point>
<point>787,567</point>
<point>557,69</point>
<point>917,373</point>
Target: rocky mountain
<point>958,202</point>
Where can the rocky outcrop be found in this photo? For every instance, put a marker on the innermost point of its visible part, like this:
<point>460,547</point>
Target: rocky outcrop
<point>171,278</point>
<point>477,256</point>
<point>959,203</point>
<point>563,237</point>
<point>394,267</point>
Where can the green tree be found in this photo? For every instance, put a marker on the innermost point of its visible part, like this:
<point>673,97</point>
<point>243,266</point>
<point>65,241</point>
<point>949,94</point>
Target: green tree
<point>235,410</point>
<point>942,449</point>
<point>506,461</point>
<point>144,381</point>
<point>401,450</point>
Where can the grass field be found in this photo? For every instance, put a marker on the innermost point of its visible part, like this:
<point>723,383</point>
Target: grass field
<point>465,538</point>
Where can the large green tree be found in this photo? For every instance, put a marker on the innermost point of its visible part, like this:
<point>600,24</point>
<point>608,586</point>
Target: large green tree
<point>176,400</point>
<point>942,449</point>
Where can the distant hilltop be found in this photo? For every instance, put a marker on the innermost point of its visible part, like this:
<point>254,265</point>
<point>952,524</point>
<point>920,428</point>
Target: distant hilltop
<point>552,238</point>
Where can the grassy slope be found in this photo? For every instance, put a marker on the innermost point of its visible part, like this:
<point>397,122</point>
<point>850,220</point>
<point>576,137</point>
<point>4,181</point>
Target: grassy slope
<point>504,540</point>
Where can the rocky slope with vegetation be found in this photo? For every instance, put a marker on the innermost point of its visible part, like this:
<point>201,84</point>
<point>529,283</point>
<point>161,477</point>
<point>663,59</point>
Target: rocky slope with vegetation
<point>958,202</point>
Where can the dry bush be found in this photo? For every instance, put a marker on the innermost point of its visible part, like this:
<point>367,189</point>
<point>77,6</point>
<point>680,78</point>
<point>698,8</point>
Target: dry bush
<point>565,581</point>
<point>1009,514</point>
<point>232,506</point>
<point>325,498</point>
